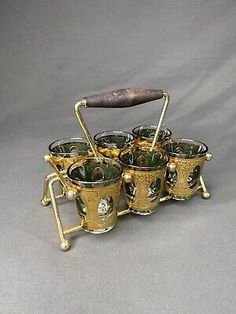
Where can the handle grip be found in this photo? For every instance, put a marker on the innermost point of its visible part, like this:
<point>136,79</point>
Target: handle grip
<point>121,98</point>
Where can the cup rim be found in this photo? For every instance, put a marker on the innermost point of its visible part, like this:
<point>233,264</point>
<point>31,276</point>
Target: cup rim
<point>143,168</point>
<point>98,135</point>
<point>94,183</point>
<point>66,140</point>
<point>149,126</point>
<point>184,140</point>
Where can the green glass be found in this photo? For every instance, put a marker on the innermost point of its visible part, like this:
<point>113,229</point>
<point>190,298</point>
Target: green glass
<point>186,148</point>
<point>92,172</point>
<point>188,156</point>
<point>146,171</point>
<point>154,189</point>
<point>143,158</point>
<point>113,139</point>
<point>194,177</point>
<point>147,132</point>
<point>69,147</point>
<point>98,182</point>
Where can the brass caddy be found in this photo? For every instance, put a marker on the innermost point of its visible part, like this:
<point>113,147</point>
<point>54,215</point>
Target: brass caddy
<point>151,167</point>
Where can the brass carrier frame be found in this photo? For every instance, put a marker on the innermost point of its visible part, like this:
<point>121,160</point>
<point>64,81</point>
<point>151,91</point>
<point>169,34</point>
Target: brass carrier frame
<point>114,99</point>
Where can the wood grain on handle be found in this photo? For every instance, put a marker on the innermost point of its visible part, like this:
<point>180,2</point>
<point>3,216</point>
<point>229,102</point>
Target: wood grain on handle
<point>121,98</point>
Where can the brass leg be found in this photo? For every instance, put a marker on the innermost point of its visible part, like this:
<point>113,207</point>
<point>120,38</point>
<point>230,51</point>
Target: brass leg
<point>165,198</point>
<point>65,245</point>
<point>204,191</point>
<point>122,212</point>
<point>46,200</point>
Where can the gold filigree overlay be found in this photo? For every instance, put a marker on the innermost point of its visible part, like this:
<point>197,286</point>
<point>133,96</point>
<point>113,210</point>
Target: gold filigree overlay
<point>184,167</point>
<point>91,198</point>
<point>142,180</point>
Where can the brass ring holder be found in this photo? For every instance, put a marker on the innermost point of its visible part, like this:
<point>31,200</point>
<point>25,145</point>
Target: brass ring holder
<point>115,99</point>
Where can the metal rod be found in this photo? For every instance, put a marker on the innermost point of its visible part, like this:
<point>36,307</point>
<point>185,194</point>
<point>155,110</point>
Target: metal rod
<point>57,197</point>
<point>46,198</point>
<point>56,211</point>
<point>205,193</point>
<point>165,198</point>
<point>45,186</point>
<point>164,109</point>
<point>123,212</point>
<point>84,126</point>
<point>203,185</point>
<point>73,229</point>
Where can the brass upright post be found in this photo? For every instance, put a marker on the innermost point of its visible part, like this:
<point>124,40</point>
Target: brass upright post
<point>82,103</point>
<point>163,112</point>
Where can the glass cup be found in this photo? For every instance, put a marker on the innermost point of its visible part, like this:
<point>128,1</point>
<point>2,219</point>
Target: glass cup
<point>98,182</point>
<point>144,134</point>
<point>187,157</point>
<point>111,143</point>
<point>144,176</point>
<point>66,151</point>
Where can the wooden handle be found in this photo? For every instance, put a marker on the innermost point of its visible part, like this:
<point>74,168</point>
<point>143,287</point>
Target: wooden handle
<point>121,98</point>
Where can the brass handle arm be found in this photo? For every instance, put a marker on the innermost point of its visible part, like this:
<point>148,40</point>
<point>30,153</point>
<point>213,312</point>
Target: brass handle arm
<point>121,98</point>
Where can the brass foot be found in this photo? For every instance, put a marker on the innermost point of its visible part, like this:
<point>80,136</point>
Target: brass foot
<point>205,194</point>
<point>65,245</point>
<point>44,202</point>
